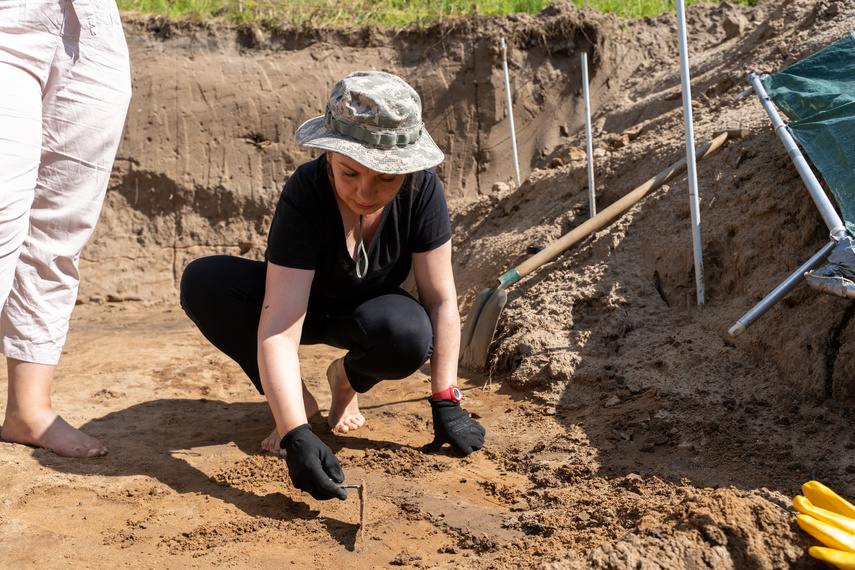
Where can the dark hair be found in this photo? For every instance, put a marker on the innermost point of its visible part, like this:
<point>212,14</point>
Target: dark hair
<point>407,184</point>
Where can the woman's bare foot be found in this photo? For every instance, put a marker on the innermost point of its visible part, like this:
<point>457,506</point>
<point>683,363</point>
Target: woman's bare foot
<point>31,420</point>
<point>272,442</point>
<point>344,410</point>
<point>45,428</point>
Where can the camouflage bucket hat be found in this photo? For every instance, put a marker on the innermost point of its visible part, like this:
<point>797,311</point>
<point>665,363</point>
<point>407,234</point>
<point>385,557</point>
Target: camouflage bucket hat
<point>374,118</point>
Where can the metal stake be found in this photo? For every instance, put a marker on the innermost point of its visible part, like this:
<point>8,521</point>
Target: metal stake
<point>690,151</point>
<point>510,111</point>
<point>589,146</point>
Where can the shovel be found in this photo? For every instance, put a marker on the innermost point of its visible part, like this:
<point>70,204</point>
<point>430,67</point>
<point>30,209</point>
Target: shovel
<point>480,325</point>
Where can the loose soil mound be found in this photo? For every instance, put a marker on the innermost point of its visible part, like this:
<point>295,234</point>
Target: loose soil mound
<point>626,428</point>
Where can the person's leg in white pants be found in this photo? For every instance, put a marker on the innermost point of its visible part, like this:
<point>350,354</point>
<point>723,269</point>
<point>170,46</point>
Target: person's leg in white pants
<point>82,88</point>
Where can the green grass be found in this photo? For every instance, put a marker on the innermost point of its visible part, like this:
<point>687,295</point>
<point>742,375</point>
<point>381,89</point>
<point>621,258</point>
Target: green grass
<point>391,13</point>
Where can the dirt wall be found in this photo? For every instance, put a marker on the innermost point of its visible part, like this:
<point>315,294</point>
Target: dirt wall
<point>209,140</point>
<point>209,143</point>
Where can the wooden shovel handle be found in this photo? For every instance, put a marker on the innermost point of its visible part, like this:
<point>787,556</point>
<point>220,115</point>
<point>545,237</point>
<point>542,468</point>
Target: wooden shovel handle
<point>615,210</point>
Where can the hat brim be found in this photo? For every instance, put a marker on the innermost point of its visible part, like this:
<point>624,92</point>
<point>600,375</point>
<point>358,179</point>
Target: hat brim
<point>414,157</point>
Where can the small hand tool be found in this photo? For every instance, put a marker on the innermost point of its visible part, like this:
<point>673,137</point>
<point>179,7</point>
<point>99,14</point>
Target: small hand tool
<point>363,498</point>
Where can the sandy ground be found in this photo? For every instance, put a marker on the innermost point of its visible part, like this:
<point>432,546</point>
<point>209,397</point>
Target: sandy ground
<point>626,428</point>
<point>187,485</point>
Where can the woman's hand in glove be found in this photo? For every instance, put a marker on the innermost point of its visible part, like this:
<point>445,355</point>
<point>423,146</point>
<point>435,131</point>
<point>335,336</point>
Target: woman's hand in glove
<point>311,464</point>
<point>452,424</point>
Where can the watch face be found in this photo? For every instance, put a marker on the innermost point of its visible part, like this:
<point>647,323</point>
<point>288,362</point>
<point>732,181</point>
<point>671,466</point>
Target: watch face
<point>455,393</point>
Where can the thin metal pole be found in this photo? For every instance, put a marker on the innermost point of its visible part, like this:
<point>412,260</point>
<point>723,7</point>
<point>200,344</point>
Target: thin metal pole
<point>690,151</point>
<point>592,199</point>
<point>510,110</point>
<point>781,290</point>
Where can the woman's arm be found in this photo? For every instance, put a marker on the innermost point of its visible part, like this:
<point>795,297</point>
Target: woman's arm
<point>312,466</point>
<point>286,299</point>
<point>438,295</point>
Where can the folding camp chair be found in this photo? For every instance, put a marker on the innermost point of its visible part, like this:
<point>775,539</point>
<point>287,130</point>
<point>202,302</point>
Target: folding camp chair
<point>817,95</point>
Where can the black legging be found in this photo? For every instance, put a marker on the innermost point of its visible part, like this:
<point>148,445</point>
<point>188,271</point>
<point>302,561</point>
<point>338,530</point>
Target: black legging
<point>387,337</point>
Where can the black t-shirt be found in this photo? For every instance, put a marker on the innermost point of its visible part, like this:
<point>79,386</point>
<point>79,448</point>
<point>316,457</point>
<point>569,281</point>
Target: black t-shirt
<point>307,233</point>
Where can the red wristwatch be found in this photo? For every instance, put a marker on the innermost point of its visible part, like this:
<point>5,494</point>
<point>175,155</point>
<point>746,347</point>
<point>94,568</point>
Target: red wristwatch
<point>451,393</point>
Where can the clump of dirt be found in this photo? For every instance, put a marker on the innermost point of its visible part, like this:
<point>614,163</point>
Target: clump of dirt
<point>626,428</point>
<point>252,472</point>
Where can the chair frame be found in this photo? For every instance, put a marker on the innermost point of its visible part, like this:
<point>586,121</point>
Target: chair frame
<point>836,227</point>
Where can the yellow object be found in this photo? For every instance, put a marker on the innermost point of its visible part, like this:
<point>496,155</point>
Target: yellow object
<point>824,498</point>
<point>803,505</point>
<point>830,536</point>
<point>843,560</point>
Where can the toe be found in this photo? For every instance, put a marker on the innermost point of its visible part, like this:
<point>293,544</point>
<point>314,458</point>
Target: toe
<point>96,452</point>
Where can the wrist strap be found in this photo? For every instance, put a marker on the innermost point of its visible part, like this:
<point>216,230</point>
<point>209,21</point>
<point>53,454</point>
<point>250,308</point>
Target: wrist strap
<point>452,393</point>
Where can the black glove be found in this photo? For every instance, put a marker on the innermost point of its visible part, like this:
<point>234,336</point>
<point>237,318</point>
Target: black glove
<point>452,424</point>
<point>311,464</point>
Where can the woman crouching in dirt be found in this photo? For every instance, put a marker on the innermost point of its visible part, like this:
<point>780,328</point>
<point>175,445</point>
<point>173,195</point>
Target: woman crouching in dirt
<point>348,227</point>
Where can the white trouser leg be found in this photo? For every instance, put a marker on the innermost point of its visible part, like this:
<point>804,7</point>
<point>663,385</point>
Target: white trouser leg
<point>20,147</point>
<point>85,90</point>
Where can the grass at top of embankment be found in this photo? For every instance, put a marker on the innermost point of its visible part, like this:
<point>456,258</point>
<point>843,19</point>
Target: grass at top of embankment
<point>385,13</point>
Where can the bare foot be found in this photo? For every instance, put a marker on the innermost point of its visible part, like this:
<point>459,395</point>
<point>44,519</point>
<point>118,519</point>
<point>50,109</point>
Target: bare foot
<point>31,420</point>
<point>344,410</point>
<point>45,428</point>
<point>272,442</point>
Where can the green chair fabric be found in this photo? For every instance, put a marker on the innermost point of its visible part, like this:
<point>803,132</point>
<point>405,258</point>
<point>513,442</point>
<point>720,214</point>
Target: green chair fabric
<point>817,95</point>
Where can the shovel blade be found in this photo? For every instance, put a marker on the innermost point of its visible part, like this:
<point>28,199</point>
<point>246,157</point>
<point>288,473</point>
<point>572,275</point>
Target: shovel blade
<point>472,320</point>
<point>474,354</point>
